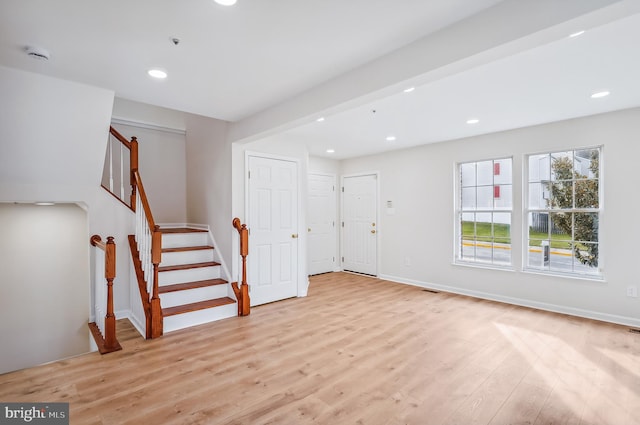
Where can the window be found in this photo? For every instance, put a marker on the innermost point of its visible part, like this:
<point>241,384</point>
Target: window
<point>484,213</point>
<point>564,211</point>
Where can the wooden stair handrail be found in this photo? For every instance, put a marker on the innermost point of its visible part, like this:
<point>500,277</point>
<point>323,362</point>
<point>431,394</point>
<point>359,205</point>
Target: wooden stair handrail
<point>109,342</point>
<point>154,322</point>
<point>132,145</point>
<point>242,292</point>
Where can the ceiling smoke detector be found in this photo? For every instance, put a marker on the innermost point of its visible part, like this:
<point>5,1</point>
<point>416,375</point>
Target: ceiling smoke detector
<point>37,53</point>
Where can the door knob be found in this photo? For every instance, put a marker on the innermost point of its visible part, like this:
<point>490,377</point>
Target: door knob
<point>294,235</point>
<point>373,231</point>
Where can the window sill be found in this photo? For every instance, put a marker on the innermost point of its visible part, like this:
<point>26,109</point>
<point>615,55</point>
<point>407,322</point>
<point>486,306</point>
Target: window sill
<point>592,278</point>
<point>508,268</point>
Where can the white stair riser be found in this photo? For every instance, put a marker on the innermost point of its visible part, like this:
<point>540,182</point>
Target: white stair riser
<point>180,321</point>
<point>171,299</point>
<point>189,275</point>
<point>178,240</point>
<point>186,257</point>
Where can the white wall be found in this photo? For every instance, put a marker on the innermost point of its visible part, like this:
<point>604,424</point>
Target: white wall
<point>208,159</point>
<point>44,307</point>
<point>162,166</point>
<point>53,136</point>
<point>420,182</point>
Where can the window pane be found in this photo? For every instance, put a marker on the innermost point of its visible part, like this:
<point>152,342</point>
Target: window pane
<point>539,168</point>
<point>586,257</point>
<point>504,200</point>
<point>585,227</point>
<point>485,197</point>
<point>468,226</point>
<point>538,225</point>
<point>485,173</point>
<point>560,195</point>
<point>502,251</point>
<point>468,198</point>
<point>562,166</point>
<point>538,195</point>
<point>586,163</point>
<point>468,174</point>
<point>587,193</point>
<point>502,225</point>
<point>504,176</point>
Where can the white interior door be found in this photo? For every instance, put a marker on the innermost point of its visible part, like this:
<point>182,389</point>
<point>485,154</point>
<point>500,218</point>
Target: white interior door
<point>359,223</point>
<point>321,223</point>
<point>273,229</point>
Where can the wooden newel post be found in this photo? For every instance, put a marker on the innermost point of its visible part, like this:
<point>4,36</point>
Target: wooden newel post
<point>242,293</point>
<point>110,341</point>
<point>244,251</point>
<point>133,166</point>
<point>156,309</point>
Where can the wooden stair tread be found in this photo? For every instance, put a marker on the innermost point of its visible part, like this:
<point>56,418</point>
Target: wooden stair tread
<point>182,230</point>
<point>187,248</point>
<point>190,285</point>
<point>201,305</point>
<point>187,266</point>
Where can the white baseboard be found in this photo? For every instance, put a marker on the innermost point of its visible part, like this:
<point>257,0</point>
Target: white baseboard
<point>127,314</point>
<point>588,314</point>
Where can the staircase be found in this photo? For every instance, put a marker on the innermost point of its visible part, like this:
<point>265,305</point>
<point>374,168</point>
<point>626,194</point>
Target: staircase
<point>190,286</point>
<point>179,281</point>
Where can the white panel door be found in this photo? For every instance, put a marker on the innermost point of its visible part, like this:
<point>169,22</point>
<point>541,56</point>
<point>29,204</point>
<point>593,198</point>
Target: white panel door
<point>273,229</point>
<point>359,218</point>
<point>321,223</point>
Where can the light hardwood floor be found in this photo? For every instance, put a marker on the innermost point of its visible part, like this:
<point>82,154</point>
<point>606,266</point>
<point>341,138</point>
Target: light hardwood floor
<point>357,350</point>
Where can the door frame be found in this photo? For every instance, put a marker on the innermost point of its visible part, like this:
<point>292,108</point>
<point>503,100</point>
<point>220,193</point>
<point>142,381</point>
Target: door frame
<point>336,215</point>
<point>302,280</point>
<point>378,216</point>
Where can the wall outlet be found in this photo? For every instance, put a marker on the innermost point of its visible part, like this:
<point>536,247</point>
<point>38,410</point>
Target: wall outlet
<point>407,261</point>
<point>632,291</point>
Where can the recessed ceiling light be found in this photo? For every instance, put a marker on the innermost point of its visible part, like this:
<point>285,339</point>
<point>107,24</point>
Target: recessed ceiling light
<point>575,34</point>
<point>391,138</point>
<point>226,2</point>
<point>157,73</point>
<point>45,204</point>
<point>331,150</point>
<point>473,121</point>
<point>320,119</point>
<point>600,94</point>
<point>409,89</point>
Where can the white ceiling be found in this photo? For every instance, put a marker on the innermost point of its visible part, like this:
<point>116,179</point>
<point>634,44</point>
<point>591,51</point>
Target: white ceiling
<point>549,83</point>
<point>233,62</point>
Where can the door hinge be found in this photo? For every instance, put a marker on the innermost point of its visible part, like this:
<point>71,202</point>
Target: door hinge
<point>333,223</point>
<point>343,224</point>
<point>343,259</point>
<point>342,189</point>
<point>333,188</point>
<point>334,259</point>
<point>249,173</point>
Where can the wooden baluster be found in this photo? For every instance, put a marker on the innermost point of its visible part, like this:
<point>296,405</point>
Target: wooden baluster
<point>133,165</point>
<point>156,309</point>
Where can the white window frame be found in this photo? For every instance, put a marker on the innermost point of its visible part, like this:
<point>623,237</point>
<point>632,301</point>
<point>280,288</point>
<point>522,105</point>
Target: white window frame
<point>458,211</point>
<point>599,273</point>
